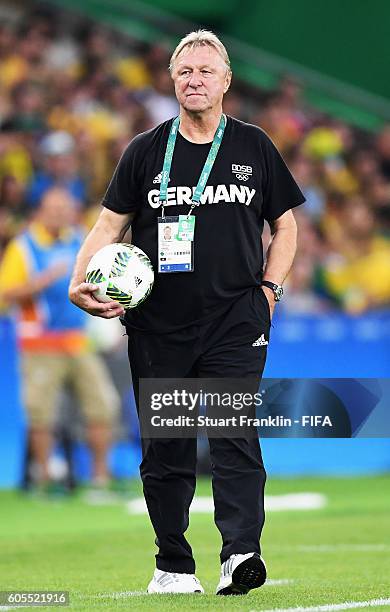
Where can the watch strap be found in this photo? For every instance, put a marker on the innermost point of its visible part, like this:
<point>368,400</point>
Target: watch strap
<point>277,289</point>
<point>270,285</point>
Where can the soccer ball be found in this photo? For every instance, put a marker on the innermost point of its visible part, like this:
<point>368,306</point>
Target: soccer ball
<point>123,273</point>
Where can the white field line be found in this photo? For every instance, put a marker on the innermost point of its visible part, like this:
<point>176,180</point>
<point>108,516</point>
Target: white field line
<point>347,605</point>
<point>295,501</point>
<point>273,503</point>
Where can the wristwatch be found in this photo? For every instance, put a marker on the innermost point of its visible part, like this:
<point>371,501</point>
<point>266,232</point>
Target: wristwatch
<point>277,289</point>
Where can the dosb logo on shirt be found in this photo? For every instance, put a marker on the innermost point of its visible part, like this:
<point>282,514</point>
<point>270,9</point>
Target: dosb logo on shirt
<point>243,173</point>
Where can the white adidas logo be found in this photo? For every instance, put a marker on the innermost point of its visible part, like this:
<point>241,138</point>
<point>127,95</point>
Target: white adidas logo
<point>157,179</point>
<point>260,341</point>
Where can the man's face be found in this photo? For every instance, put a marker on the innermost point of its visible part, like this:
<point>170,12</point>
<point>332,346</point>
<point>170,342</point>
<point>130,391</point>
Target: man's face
<point>201,79</point>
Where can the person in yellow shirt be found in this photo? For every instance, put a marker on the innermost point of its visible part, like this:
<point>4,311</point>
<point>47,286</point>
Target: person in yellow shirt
<point>34,276</point>
<point>359,276</point>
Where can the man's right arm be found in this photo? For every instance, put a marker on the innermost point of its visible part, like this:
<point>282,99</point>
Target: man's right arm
<point>109,228</point>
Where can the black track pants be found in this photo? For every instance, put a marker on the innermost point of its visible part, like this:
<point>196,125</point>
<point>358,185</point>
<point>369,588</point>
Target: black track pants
<point>222,348</point>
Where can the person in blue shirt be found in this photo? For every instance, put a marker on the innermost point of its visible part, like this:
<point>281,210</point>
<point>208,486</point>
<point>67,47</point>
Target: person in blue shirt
<point>59,169</point>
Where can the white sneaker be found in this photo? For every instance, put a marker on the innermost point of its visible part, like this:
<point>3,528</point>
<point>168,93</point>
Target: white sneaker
<point>172,582</point>
<point>241,573</point>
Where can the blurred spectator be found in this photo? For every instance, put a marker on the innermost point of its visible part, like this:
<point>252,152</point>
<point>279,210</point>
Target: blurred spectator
<point>159,99</point>
<point>28,101</point>
<point>60,168</point>
<point>275,118</point>
<point>12,209</point>
<point>383,148</point>
<point>15,157</point>
<point>300,298</point>
<point>233,104</point>
<point>34,276</point>
<point>378,192</point>
<point>303,170</point>
<point>13,68</point>
<point>290,96</point>
<point>358,275</point>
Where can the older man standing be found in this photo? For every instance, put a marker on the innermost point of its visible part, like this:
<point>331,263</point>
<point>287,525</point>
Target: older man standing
<point>210,319</point>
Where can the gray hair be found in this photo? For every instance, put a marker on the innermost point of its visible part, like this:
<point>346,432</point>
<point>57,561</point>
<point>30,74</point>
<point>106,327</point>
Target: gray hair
<point>200,38</point>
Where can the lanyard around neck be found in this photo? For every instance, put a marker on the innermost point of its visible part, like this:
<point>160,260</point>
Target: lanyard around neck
<point>204,176</point>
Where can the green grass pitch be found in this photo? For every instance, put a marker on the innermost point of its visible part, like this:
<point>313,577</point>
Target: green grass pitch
<point>329,556</point>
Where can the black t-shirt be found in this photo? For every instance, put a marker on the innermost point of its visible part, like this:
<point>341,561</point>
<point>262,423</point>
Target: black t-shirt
<point>249,182</point>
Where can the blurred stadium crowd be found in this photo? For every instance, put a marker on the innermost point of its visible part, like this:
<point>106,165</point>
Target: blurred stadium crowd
<point>72,97</point>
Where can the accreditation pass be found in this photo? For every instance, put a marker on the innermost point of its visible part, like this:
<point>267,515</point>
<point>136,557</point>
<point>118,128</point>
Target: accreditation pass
<point>175,253</point>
